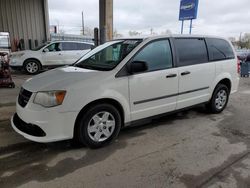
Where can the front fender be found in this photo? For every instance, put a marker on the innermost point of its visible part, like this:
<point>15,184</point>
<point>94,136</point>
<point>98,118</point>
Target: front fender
<point>82,96</point>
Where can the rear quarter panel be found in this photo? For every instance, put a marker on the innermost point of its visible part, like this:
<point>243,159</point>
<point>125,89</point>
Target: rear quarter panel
<point>227,69</point>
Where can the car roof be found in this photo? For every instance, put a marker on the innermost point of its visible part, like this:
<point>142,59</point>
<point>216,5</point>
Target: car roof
<point>170,35</point>
<point>71,41</point>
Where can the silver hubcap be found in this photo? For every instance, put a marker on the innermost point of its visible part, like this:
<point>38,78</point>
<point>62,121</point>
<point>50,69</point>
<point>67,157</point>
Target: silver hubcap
<point>101,126</point>
<point>221,99</point>
<point>32,67</point>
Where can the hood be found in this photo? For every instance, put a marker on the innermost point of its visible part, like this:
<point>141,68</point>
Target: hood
<point>58,79</point>
<point>19,52</point>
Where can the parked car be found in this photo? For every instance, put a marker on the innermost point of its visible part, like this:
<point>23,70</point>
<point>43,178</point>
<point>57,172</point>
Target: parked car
<point>248,61</point>
<point>49,55</point>
<point>242,54</point>
<point>123,82</point>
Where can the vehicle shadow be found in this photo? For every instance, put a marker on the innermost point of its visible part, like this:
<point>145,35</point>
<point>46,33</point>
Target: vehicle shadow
<point>25,162</point>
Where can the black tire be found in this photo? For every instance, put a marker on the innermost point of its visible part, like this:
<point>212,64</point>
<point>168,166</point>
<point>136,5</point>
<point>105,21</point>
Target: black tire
<point>214,107</point>
<point>12,85</point>
<point>32,63</point>
<point>82,134</point>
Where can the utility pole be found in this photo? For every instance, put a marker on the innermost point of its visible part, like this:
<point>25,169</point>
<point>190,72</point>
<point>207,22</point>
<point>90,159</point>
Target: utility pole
<point>151,31</point>
<point>58,30</point>
<point>82,23</point>
<point>240,40</point>
<point>105,20</point>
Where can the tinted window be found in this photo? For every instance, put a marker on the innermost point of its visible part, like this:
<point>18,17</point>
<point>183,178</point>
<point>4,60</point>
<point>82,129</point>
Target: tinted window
<point>69,46</point>
<point>219,49</point>
<point>191,51</point>
<point>83,46</point>
<point>157,55</point>
<point>55,47</point>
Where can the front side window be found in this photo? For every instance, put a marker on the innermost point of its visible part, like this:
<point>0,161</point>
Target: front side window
<point>219,49</point>
<point>191,51</point>
<point>157,55</point>
<point>107,56</point>
<point>55,47</point>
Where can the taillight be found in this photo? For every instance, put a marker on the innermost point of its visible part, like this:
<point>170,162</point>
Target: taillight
<point>238,66</point>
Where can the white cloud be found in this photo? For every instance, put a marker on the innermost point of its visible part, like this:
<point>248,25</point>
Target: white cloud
<point>224,17</point>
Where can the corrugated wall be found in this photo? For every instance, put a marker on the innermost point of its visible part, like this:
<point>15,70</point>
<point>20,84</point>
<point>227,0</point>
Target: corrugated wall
<point>25,19</point>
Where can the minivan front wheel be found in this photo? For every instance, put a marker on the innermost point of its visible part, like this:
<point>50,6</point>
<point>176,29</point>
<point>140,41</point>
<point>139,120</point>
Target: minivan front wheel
<point>219,99</point>
<point>99,126</point>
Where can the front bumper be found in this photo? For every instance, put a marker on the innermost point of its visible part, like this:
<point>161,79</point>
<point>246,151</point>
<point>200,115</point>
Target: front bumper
<point>47,125</point>
<point>26,128</point>
<point>16,62</point>
<point>16,67</point>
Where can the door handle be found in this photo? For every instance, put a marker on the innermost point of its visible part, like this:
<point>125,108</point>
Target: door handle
<point>171,75</point>
<point>59,54</point>
<point>185,73</point>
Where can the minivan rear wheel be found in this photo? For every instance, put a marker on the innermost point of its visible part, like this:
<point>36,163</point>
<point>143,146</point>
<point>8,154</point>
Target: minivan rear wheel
<point>98,126</point>
<point>219,99</point>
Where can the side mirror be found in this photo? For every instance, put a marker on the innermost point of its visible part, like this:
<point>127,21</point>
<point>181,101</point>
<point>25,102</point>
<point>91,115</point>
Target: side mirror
<point>45,50</point>
<point>138,66</point>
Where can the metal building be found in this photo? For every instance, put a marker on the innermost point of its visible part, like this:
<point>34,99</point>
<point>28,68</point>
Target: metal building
<point>26,21</point>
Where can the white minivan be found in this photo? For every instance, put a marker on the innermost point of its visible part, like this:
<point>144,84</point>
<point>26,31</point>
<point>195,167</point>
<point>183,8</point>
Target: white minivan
<point>123,82</point>
<point>49,55</point>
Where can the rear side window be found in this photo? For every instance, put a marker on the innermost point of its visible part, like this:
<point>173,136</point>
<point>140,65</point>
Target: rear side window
<point>69,46</point>
<point>83,46</point>
<point>157,55</point>
<point>219,49</point>
<point>191,51</point>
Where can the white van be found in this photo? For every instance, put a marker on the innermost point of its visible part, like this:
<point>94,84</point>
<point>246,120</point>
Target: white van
<point>49,55</point>
<point>126,81</point>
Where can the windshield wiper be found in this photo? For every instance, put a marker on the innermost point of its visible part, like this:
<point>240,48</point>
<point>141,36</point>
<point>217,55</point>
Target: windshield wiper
<point>93,67</point>
<point>85,66</point>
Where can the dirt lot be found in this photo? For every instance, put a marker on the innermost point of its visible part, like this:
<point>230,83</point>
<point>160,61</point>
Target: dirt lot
<point>188,149</point>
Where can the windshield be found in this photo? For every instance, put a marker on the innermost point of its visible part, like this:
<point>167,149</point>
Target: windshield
<point>39,47</point>
<point>107,56</point>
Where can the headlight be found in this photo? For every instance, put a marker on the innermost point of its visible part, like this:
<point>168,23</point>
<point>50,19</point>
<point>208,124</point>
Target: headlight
<point>16,55</point>
<point>49,98</point>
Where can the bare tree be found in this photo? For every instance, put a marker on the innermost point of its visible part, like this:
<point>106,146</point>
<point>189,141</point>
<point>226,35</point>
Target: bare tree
<point>134,33</point>
<point>232,39</point>
<point>88,31</point>
<point>244,42</point>
<point>152,32</point>
<point>166,32</point>
<point>116,34</point>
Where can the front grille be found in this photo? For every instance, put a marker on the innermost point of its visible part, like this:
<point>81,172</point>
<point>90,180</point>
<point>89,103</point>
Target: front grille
<point>24,97</point>
<point>28,128</point>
